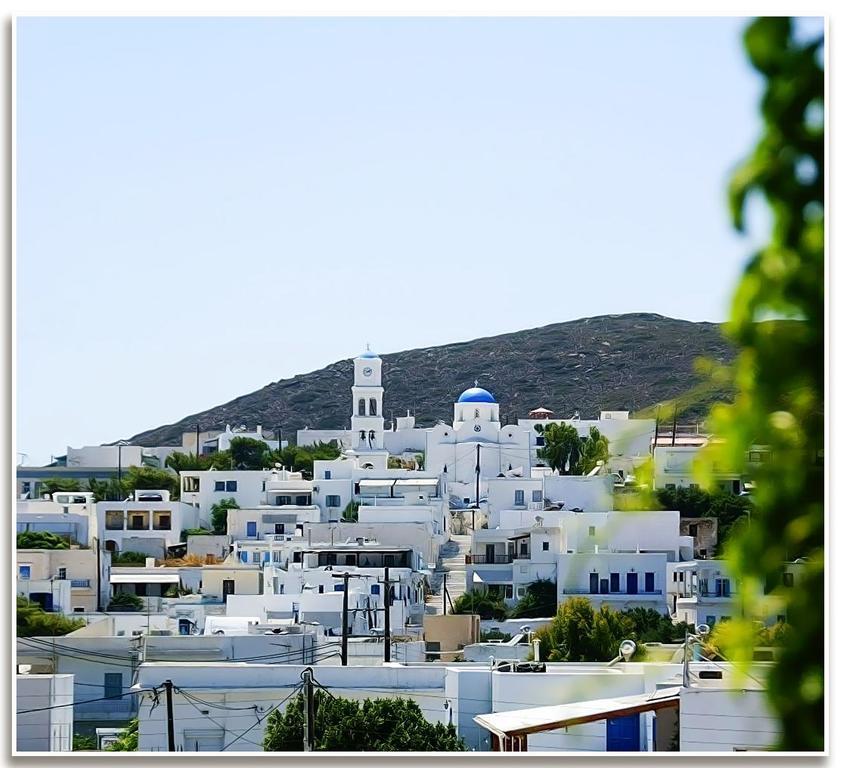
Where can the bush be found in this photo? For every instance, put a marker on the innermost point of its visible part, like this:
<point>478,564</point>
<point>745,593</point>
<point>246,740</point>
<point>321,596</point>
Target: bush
<point>219,515</point>
<point>34,621</point>
<point>373,725</point>
<point>539,601</point>
<point>195,532</point>
<point>128,558</point>
<point>128,740</point>
<point>125,601</point>
<point>485,604</point>
<point>41,540</point>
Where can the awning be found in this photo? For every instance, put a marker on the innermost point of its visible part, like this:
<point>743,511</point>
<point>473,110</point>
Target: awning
<point>424,481</point>
<point>488,576</point>
<point>376,483</point>
<point>521,722</point>
<point>144,578</point>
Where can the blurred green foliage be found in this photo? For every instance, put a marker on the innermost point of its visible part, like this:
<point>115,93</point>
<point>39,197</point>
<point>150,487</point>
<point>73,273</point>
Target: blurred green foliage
<point>777,321</point>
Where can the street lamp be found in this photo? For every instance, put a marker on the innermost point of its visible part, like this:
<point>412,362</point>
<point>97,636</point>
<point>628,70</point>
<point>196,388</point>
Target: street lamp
<point>702,632</point>
<point>120,444</point>
<point>625,652</point>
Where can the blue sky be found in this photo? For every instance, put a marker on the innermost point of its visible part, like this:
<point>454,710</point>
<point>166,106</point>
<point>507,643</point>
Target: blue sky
<point>208,205</point>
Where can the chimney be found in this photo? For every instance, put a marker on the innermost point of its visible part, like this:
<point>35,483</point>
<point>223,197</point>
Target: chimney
<point>258,430</point>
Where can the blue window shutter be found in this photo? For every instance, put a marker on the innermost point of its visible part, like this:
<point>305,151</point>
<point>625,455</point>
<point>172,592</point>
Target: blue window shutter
<point>244,556</point>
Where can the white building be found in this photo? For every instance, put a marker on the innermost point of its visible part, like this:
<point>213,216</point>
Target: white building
<point>619,559</point>
<point>629,439</point>
<point>149,522</point>
<point>44,721</point>
<point>476,446</point>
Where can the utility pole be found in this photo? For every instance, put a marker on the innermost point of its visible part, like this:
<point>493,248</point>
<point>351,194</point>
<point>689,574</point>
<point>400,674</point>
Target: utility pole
<point>444,593</point>
<point>387,604</point>
<point>171,737</point>
<point>476,486</point>
<point>344,653</point>
<point>309,729</point>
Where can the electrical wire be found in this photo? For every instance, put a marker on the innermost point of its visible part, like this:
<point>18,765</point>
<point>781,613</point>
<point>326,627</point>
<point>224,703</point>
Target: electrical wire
<point>87,701</point>
<point>285,699</point>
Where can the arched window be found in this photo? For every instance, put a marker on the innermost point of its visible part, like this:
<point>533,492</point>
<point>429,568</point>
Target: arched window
<point>362,435</point>
<point>371,435</point>
<point>373,407</point>
<point>361,407</point>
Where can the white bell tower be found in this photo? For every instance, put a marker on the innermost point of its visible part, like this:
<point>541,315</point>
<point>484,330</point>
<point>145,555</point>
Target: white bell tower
<point>367,403</point>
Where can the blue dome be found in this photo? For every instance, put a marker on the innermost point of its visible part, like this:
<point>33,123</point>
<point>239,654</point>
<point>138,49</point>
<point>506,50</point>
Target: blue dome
<point>476,395</point>
<point>367,354</point>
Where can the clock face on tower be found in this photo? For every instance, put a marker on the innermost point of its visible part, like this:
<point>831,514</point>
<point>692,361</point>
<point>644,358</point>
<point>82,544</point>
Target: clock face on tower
<point>367,371</point>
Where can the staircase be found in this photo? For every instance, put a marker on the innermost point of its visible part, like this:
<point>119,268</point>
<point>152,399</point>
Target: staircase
<point>451,561</point>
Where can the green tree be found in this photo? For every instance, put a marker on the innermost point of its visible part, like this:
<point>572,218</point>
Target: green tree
<point>486,604</point>
<point>183,462</point>
<point>301,458</point>
<point>108,490</point>
<point>539,601</point>
<point>248,453</point>
<point>219,514</point>
<point>58,484</point>
<point>578,632</point>
<point>727,508</point>
<point>83,743</point>
<point>125,601</point>
<point>41,540</point>
<point>595,448</point>
<point>34,621</point>
<point>779,372</point>
<point>150,478</point>
<point>373,725</point>
<point>128,739</point>
<point>562,448</point>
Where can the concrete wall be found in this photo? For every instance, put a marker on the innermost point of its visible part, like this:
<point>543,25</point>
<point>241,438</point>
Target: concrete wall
<point>721,721</point>
<point>49,730</point>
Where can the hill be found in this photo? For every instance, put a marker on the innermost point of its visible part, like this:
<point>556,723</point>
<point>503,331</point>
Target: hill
<point>611,362</point>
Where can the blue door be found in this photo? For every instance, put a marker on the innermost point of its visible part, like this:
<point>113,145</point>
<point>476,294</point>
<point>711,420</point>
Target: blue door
<point>632,583</point>
<point>251,530</point>
<point>623,734</point>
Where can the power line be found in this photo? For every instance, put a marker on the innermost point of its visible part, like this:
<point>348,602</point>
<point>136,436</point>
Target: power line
<point>87,701</point>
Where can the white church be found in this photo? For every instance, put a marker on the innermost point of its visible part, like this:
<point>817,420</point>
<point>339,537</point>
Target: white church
<point>475,447</point>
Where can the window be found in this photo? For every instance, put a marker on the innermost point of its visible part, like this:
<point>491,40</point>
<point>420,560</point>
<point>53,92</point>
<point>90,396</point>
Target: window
<point>279,528</point>
<point>540,440</point>
<point>508,591</point>
<point>614,582</point>
<point>537,495</point>
<point>138,521</point>
<point>592,530</point>
<point>24,572</point>
<point>692,529</point>
<point>252,529</point>
<point>62,574</point>
<point>545,546</point>
<point>376,589</point>
<point>332,501</point>
<point>519,498</point>
<point>339,587</point>
<point>256,557</point>
<point>302,501</point>
<point>649,582</point>
<point>593,580</point>
<point>373,407</point>
<point>282,501</point>
<point>114,520</point>
<point>787,579</point>
<point>113,685</point>
<point>361,407</point>
<point>327,474</point>
<point>161,521</point>
<point>231,486</point>
<point>219,485</point>
<point>190,484</point>
<point>709,620</point>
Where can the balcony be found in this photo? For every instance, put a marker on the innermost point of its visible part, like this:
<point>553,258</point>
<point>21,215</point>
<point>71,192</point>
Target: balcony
<point>486,560</point>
